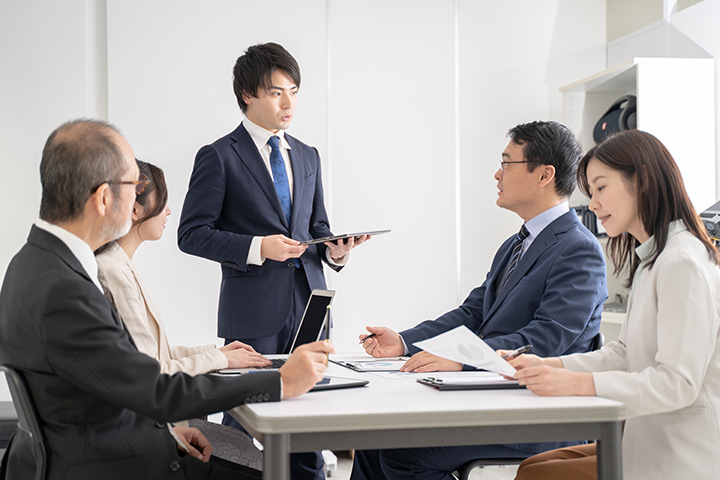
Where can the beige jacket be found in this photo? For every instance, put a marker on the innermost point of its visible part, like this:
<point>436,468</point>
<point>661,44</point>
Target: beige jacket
<point>143,320</point>
<point>665,366</point>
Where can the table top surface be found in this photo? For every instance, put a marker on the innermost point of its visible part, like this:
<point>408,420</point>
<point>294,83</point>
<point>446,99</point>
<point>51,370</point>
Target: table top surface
<point>393,400</point>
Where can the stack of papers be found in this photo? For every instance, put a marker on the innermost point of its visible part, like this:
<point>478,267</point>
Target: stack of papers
<point>462,345</point>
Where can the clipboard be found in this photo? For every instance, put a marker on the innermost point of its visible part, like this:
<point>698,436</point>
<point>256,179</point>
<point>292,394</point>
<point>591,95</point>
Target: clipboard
<point>490,382</point>
<point>342,237</point>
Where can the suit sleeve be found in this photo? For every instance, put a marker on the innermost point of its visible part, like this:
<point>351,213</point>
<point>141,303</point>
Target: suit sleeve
<point>470,314</point>
<point>319,223</point>
<point>198,232</point>
<point>574,287</point>
<point>86,346</point>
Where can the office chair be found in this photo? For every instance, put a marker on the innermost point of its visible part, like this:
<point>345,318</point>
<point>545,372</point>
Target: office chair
<point>464,471</point>
<point>28,420</point>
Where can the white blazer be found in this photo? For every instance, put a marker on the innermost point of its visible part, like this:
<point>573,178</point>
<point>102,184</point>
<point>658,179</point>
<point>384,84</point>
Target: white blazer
<point>143,320</point>
<point>665,366</point>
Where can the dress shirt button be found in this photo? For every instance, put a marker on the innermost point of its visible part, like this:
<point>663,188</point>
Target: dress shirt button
<point>291,264</point>
<point>175,466</point>
<point>160,425</point>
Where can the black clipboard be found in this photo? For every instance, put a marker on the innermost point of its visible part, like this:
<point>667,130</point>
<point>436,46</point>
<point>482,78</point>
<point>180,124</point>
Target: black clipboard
<point>342,237</point>
<point>469,384</point>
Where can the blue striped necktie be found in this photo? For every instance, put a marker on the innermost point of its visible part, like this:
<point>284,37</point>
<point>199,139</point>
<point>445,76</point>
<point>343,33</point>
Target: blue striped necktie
<point>282,185</point>
<point>280,178</point>
<point>515,257</point>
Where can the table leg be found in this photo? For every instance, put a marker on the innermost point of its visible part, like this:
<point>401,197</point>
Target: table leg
<point>276,456</point>
<point>609,451</point>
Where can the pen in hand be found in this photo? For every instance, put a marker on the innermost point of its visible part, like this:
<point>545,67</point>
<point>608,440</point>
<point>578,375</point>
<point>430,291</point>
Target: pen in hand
<point>327,331</point>
<point>517,352</point>
<point>369,336</point>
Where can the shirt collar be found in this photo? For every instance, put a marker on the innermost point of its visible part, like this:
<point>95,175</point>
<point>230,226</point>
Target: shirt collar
<point>646,249</point>
<point>260,135</point>
<point>77,247</point>
<point>538,223</point>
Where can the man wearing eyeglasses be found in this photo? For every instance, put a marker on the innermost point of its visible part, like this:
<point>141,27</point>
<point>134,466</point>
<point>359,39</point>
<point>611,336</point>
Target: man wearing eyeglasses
<point>103,407</point>
<point>546,288</point>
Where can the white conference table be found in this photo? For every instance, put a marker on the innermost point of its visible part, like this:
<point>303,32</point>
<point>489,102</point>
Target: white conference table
<point>394,411</point>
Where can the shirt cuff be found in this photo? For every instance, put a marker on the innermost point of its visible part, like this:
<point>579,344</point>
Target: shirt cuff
<point>405,347</point>
<point>337,263</point>
<point>254,257</point>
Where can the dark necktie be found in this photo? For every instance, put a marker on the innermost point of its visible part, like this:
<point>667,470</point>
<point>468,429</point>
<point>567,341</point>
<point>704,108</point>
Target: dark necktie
<point>277,164</point>
<point>515,257</point>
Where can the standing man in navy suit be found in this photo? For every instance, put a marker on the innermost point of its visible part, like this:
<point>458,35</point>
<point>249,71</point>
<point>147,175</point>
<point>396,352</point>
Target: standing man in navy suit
<point>546,288</point>
<point>253,196</point>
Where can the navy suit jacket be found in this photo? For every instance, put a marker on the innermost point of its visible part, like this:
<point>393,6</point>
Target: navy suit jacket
<point>102,404</point>
<point>230,200</point>
<point>553,299</point>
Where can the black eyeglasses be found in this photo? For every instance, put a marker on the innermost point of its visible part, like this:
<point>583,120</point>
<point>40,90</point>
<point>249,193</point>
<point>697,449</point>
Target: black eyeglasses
<point>502,164</point>
<point>140,185</point>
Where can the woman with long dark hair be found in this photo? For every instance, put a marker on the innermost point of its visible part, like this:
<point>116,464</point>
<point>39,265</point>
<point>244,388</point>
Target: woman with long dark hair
<point>665,365</point>
<point>142,319</point>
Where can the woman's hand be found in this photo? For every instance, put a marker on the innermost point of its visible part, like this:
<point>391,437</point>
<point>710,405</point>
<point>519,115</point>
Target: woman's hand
<point>550,381</point>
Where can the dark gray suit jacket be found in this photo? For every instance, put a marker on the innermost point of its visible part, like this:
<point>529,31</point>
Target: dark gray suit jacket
<point>102,404</point>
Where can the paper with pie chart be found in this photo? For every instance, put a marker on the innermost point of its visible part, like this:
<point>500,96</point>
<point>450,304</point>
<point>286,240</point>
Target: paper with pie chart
<point>462,345</point>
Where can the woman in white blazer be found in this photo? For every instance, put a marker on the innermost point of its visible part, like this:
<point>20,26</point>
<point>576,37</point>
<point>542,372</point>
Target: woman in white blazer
<point>665,365</point>
<point>142,319</point>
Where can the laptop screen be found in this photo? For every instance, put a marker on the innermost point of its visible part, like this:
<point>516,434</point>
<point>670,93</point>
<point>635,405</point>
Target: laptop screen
<point>313,320</point>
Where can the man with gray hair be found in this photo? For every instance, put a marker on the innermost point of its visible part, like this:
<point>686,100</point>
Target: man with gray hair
<point>104,408</point>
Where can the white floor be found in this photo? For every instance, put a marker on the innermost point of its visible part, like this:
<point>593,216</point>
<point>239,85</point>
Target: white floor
<point>344,467</point>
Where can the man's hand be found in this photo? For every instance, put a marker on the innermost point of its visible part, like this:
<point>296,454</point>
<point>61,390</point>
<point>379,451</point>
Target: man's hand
<point>339,250</point>
<point>280,248</point>
<point>385,343</point>
<point>198,446</point>
<point>423,362</point>
<point>304,368</point>
<point>240,355</point>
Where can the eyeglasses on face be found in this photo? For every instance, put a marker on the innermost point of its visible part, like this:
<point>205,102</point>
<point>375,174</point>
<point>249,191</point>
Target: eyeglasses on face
<point>140,185</point>
<point>502,164</point>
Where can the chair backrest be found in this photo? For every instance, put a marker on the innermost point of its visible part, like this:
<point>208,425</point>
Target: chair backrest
<point>28,419</point>
<point>598,342</point>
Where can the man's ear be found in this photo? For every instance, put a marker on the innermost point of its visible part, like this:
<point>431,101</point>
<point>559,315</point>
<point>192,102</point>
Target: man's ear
<point>99,200</point>
<point>547,175</point>
<point>247,98</point>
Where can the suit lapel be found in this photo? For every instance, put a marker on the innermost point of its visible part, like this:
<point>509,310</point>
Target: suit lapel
<point>249,155</point>
<point>48,241</point>
<point>297,165</point>
<point>540,245</point>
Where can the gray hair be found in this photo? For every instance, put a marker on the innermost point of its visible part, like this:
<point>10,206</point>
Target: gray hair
<point>78,157</point>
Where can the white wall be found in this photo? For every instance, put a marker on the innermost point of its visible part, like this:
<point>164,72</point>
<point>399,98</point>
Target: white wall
<point>691,32</point>
<point>408,102</point>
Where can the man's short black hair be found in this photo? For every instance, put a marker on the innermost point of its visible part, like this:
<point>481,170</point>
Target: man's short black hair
<point>550,143</point>
<point>254,69</point>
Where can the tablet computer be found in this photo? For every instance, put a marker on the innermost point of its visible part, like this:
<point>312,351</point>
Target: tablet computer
<point>335,238</point>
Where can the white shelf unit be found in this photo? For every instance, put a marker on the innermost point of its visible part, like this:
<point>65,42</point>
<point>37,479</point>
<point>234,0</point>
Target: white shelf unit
<point>675,102</point>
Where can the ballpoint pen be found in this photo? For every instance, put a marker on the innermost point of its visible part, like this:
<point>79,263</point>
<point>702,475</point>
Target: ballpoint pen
<point>327,330</point>
<point>518,351</point>
<point>369,336</point>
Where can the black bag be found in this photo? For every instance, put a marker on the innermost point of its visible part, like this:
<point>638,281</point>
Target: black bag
<point>617,118</point>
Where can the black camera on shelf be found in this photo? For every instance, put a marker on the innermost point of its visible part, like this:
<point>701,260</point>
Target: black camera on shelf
<point>711,220</point>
